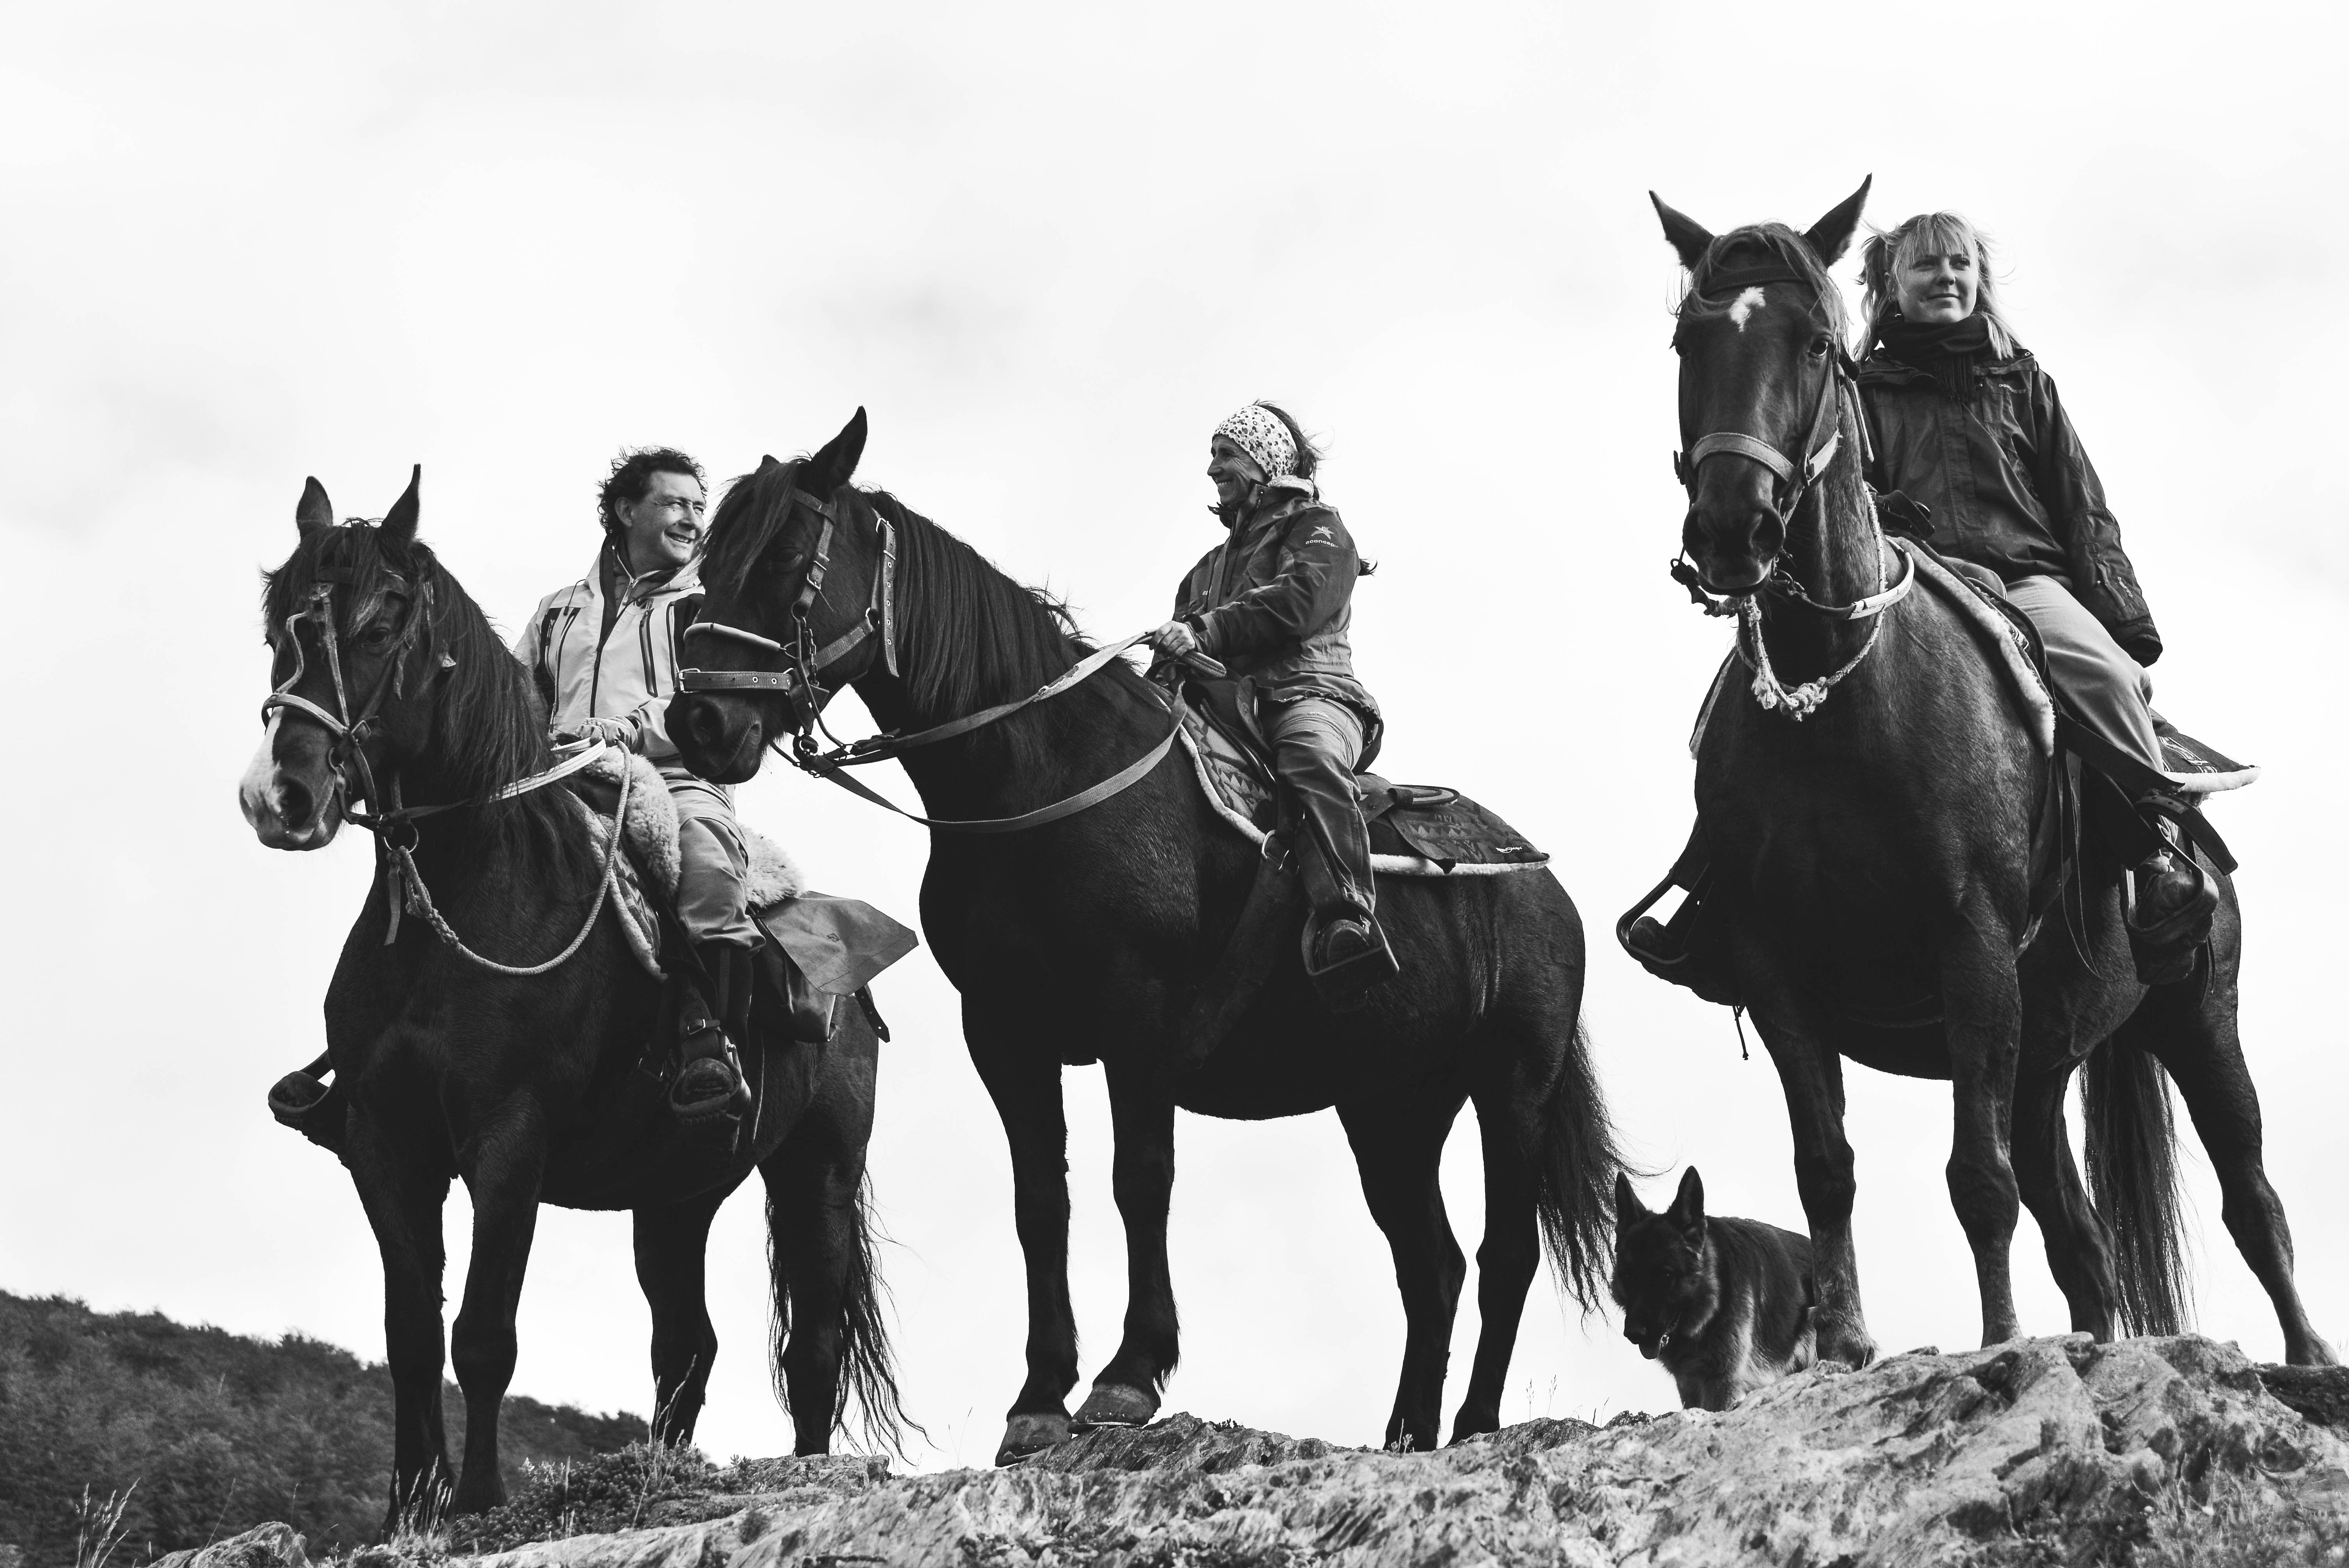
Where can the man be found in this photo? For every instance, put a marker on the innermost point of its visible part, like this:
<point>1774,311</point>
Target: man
<point>1273,603</point>
<point>604,653</point>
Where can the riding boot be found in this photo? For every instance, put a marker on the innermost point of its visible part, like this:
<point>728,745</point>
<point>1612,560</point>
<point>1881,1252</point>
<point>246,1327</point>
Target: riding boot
<point>708,1088</point>
<point>2170,919</point>
<point>1345,951</point>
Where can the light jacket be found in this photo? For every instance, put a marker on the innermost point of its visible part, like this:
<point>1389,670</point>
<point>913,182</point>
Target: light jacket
<point>2006,483</point>
<point>629,673</point>
<point>1275,600</point>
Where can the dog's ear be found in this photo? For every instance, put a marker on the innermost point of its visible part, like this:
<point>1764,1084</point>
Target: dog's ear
<point>1628,1209</point>
<point>1687,1212</point>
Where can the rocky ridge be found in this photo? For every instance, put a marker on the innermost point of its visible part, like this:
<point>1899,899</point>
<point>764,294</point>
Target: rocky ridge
<point>2056,1450</point>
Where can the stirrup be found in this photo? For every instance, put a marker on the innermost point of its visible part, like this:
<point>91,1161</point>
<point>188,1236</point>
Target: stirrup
<point>709,1109</point>
<point>2166,950</point>
<point>1345,983</point>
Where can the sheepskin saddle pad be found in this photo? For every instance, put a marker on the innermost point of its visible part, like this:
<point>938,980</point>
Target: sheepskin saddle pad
<point>1416,830</point>
<point>839,943</point>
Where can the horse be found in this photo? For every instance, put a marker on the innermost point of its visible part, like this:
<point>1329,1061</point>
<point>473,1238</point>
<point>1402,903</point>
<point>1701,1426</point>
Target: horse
<point>528,1080</point>
<point>1086,939</point>
<point>1871,825</point>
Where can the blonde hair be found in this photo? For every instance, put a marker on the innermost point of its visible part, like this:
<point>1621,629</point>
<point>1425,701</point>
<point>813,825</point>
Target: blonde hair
<point>1887,251</point>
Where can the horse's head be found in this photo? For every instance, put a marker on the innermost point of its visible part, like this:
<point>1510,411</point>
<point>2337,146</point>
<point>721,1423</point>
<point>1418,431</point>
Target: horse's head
<point>794,607</point>
<point>345,615</point>
<point>1761,340</point>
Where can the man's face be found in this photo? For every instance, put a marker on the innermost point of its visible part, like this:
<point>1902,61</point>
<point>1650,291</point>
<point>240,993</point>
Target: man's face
<point>665,528</point>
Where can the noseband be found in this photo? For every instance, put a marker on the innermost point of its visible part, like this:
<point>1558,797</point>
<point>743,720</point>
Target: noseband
<point>1791,480</point>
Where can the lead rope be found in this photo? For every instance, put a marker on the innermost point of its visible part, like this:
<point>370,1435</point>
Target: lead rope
<point>1801,702</point>
<point>422,904</point>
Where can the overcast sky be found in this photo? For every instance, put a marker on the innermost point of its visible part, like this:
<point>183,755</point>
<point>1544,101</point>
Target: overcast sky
<point>1049,248</point>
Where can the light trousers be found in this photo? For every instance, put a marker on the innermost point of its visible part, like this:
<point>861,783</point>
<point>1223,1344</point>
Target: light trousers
<point>713,875</point>
<point>2109,691</point>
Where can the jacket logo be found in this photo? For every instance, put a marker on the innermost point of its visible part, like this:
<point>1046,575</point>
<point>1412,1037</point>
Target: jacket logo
<point>1322,535</point>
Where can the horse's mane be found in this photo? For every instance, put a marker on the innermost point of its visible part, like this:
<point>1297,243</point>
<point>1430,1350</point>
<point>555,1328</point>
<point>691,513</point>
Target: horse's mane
<point>1756,243</point>
<point>975,635</point>
<point>489,727</point>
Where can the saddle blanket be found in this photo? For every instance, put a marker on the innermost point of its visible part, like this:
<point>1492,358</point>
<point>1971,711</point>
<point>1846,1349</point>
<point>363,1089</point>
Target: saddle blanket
<point>839,943</point>
<point>1416,831</point>
<point>2191,765</point>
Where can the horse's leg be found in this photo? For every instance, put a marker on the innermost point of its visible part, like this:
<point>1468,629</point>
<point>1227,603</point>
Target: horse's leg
<point>2079,1254</point>
<point>1024,1080</point>
<point>2195,1039</point>
<point>1810,1072</point>
<point>672,1245</point>
<point>1508,1259</point>
<point>1981,1003</point>
<point>816,1226</point>
<point>403,1199</point>
<point>1143,1177</point>
<point>1398,1141</point>
<point>509,1162</point>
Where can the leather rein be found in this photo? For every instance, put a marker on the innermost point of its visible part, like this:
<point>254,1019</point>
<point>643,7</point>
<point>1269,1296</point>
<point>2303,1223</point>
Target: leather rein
<point>809,680</point>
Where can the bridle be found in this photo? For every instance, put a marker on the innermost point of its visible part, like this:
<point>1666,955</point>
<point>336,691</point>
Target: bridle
<point>393,824</point>
<point>1792,482</point>
<point>808,682</point>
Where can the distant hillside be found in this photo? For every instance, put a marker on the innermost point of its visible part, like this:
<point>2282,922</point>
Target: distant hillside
<point>219,1432</point>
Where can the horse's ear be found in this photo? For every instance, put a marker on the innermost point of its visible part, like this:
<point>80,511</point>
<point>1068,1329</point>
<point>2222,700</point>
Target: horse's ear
<point>313,510</point>
<point>1687,1211</point>
<point>398,530</point>
<point>1688,236</point>
<point>766,461</point>
<point>1830,237</point>
<point>1627,1207</point>
<point>836,464</point>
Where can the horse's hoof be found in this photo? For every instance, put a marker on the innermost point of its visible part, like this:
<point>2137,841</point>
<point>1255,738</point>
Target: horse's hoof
<point>1025,1436</point>
<point>1116,1405</point>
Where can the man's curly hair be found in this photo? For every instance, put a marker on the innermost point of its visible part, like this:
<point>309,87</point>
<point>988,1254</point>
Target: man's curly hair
<point>631,478</point>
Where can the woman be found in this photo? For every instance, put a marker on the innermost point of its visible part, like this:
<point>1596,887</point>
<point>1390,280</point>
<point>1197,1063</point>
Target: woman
<point>1964,421</point>
<point>1273,603</point>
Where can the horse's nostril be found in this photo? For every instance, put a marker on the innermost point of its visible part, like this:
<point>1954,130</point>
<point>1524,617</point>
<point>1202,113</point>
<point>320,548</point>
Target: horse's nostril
<point>294,803</point>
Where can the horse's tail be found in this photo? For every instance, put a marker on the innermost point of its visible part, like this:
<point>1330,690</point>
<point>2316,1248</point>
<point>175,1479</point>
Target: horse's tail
<point>2133,1180</point>
<point>1574,1162</point>
<point>868,1368</point>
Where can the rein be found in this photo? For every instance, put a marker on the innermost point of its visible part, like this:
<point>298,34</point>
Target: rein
<point>405,886</point>
<point>802,686</point>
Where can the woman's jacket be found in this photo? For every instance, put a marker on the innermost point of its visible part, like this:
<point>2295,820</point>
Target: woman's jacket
<point>1274,602</point>
<point>2007,484</point>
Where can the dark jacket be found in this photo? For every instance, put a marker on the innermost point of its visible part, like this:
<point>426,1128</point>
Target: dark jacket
<point>1274,600</point>
<point>2007,483</point>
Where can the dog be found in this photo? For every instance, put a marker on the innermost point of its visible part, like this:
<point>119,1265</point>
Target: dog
<point>1725,1305</point>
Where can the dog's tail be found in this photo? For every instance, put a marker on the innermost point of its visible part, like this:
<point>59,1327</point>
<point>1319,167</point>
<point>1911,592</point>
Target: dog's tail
<point>1572,1152</point>
<point>2132,1143</point>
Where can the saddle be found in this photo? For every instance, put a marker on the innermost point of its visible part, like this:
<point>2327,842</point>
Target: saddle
<point>1416,830</point>
<point>820,948</point>
<point>2088,824</point>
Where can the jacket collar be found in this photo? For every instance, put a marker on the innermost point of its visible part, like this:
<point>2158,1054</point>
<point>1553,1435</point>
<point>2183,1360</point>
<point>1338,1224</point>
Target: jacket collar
<point>685,577</point>
<point>1880,369</point>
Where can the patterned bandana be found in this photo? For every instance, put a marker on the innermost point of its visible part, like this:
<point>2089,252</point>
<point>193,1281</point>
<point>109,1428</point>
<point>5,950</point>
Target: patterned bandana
<point>1259,432</point>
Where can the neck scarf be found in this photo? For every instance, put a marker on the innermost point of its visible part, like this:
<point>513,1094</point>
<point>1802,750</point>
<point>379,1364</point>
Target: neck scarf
<point>1947,351</point>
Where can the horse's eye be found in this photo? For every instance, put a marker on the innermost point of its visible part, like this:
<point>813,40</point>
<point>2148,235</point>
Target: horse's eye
<point>377,635</point>
<point>1819,345</point>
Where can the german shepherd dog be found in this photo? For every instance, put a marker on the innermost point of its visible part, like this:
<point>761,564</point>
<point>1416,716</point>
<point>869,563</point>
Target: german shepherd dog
<point>1725,1305</point>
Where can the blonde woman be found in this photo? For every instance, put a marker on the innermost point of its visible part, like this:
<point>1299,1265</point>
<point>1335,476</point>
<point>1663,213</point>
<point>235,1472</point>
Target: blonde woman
<point>1963,421</point>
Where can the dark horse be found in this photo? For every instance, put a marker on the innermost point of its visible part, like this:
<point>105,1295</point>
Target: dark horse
<point>530,1089</point>
<point>1086,940</point>
<point>1881,848</point>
